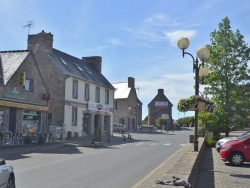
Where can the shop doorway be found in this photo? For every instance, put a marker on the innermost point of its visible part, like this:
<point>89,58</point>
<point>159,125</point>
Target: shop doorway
<point>12,120</point>
<point>97,122</point>
<point>87,124</point>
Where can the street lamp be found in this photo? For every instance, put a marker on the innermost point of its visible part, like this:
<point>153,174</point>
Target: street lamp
<point>200,70</point>
<point>206,92</point>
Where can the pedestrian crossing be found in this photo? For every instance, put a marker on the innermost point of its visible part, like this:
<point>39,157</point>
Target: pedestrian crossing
<point>152,144</point>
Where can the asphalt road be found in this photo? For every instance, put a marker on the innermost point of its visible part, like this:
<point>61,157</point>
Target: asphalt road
<point>117,166</point>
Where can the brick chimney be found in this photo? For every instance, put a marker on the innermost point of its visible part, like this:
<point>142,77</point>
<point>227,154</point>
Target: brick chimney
<point>131,82</point>
<point>160,91</point>
<point>41,40</point>
<point>95,61</point>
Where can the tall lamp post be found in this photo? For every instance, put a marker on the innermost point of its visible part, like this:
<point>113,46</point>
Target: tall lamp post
<point>201,70</point>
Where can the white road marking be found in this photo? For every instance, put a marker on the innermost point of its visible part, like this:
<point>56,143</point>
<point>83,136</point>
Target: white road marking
<point>139,143</point>
<point>152,144</point>
<point>167,144</point>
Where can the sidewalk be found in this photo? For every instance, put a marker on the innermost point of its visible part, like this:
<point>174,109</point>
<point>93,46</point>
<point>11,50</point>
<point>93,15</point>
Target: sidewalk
<point>85,141</point>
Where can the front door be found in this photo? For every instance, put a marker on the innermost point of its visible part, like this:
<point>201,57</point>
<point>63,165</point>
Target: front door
<point>12,120</point>
<point>87,124</point>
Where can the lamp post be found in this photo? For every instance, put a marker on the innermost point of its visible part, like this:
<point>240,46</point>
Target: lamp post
<point>201,70</point>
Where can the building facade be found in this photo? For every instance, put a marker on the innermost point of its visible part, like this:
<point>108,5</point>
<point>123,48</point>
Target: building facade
<point>159,107</point>
<point>127,106</point>
<point>62,90</point>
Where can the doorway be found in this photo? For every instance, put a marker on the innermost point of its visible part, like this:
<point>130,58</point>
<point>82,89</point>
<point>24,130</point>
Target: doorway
<point>12,120</point>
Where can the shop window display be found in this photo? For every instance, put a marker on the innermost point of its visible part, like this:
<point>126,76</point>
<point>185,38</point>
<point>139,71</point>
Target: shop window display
<point>30,122</point>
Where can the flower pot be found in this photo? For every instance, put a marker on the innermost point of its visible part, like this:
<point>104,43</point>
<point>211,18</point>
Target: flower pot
<point>201,106</point>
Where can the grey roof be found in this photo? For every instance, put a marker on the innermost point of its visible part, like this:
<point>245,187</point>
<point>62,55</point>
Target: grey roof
<point>76,67</point>
<point>11,60</point>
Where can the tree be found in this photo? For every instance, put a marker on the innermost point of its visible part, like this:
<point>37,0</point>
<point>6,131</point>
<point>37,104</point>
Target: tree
<point>229,74</point>
<point>145,121</point>
<point>160,122</point>
<point>186,121</point>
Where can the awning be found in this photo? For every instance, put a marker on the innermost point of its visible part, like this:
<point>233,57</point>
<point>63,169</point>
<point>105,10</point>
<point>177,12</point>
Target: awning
<point>25,105</point>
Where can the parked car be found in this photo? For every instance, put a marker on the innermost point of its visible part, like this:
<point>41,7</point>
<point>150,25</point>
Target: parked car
<point>7,177</point>
<point>119,128</point>
<point>236,152</point>
<point>222,141</point>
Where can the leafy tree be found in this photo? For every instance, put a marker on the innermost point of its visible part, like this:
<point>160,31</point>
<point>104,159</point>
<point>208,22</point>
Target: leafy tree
<point>229,74</point>
<point>145,121</point>
<point>160,122</point>
<point>186,121</point>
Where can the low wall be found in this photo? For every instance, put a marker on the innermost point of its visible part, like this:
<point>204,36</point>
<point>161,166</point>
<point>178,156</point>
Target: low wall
<point>187,166</point>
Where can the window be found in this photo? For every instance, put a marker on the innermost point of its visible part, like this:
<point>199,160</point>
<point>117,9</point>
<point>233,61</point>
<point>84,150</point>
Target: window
<point>117,105</point>
<point>49,117</point>
<point>79,68</point>
<point>74,116</point>
<point>97,94</point>
<point>106,96</point>
<point>122,121</point>
<point>29,85</point>
<point>63,61</point>
<point>86,95</point>
<point>87,70</point>
<point>75,89</point>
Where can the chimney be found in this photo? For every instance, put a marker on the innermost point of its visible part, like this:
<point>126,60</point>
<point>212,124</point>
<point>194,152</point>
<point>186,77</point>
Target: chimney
<point>160,91</point>
<point>42,40</point>
<point>95,61</point>
<point>131,82</point>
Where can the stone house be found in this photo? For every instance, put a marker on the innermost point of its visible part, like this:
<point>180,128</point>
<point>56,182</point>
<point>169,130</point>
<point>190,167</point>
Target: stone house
<point>160,106</point>
<point>58,89</point>
<point>127,106</point>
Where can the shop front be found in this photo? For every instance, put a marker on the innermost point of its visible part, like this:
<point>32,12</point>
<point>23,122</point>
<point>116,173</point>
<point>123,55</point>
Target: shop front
<point>21,116</point>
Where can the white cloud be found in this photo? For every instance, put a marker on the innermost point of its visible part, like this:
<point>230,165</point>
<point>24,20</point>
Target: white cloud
<point>175,35</point>
<point>160,19</point>
<point>176,87</point>
<point>114,41</point>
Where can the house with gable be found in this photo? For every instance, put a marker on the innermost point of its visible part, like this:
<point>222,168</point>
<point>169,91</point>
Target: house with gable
<point>160,107</point>
<point>127,106</point>
<point>57,89</point>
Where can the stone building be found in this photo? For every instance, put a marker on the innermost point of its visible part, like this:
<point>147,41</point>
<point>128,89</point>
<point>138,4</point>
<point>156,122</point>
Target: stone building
<point>127,106</point>
<point>42,87</point>
<point>160,106</point>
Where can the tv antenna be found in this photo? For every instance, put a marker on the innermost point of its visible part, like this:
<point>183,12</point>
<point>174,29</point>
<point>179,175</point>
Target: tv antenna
<point>29,25</point>
<point>138,91</point>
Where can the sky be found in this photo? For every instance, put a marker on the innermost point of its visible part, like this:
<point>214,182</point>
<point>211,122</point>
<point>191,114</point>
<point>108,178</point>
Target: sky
<point>135,38</point>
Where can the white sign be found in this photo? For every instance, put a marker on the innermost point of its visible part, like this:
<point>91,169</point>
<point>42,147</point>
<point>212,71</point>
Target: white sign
<point>165,116</point>
<point>98,107</point>
<point>161,104</point>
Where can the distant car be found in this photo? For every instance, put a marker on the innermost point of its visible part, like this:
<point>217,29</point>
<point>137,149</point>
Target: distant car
<point>236,152</point>
<point>119,128</point>
<point>222,141</point>
<point>7,177</point>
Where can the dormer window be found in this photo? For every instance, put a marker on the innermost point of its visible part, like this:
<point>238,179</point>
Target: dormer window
<point>79,68</point>
<point>63,61</point>
<point>87,70</point>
